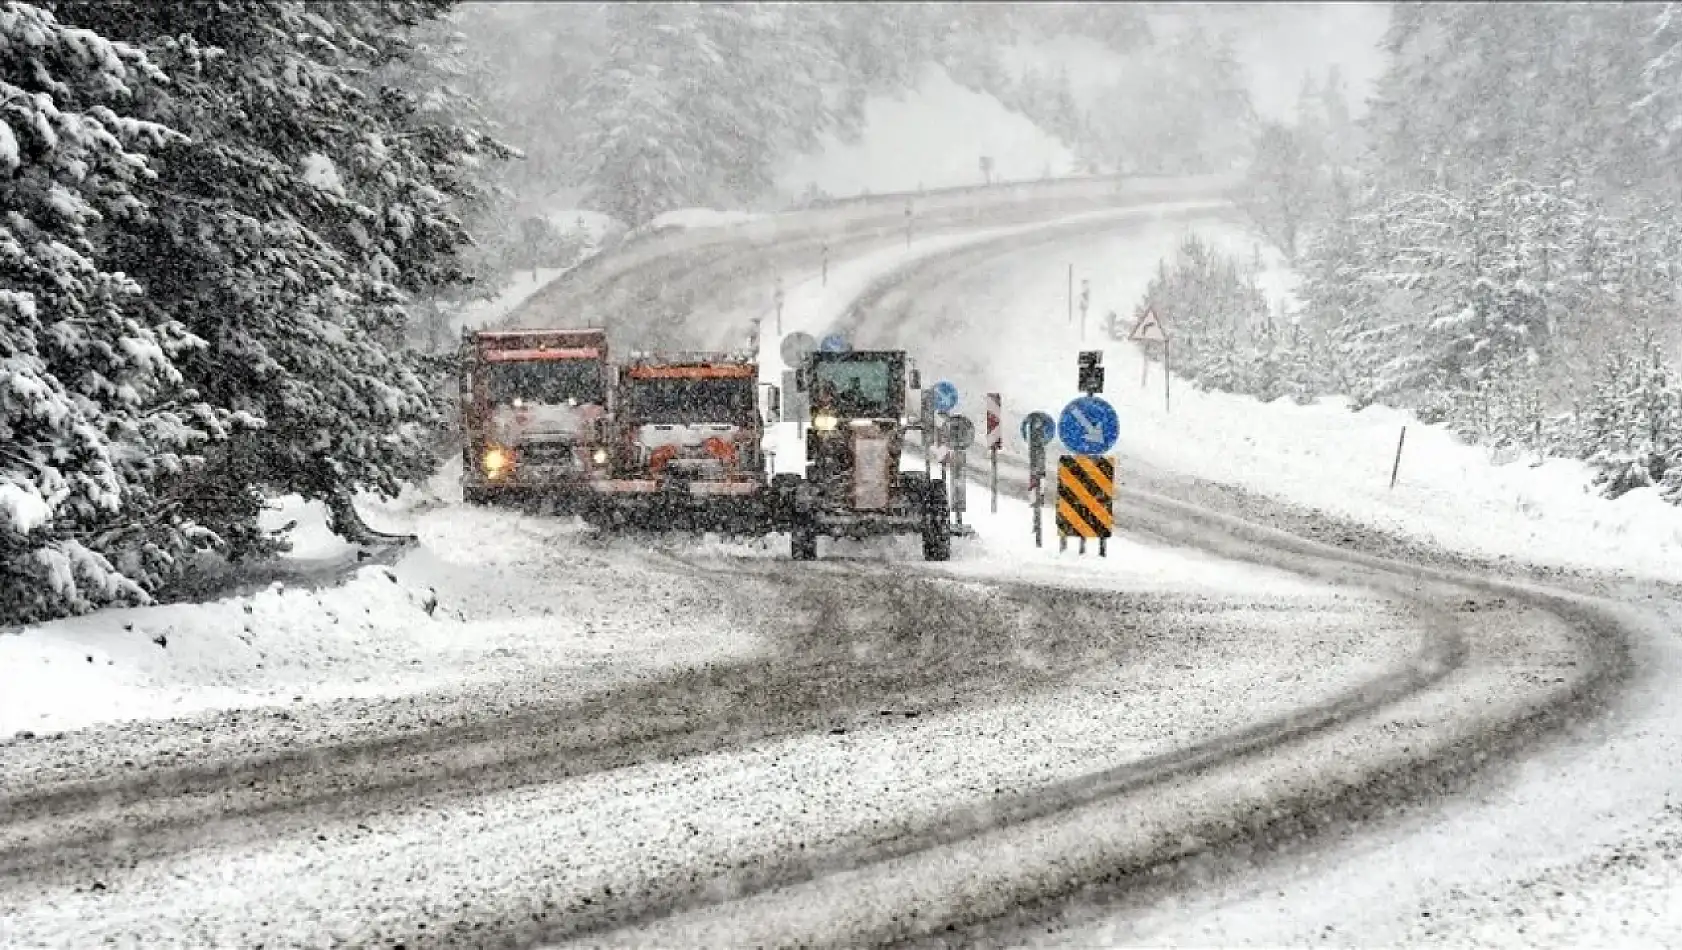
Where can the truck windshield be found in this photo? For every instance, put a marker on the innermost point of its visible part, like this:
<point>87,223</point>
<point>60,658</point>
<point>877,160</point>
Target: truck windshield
<point>856,387</point>
<point>545,382</point>
<point>690,400</point>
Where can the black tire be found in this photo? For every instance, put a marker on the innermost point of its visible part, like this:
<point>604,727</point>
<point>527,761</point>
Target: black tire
<point>475,496</point>
<point>937,535</point>
<point>780,502</point>
<point>803,540</point>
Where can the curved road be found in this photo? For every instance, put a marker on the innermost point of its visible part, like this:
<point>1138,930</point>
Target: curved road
<point>864,778</point>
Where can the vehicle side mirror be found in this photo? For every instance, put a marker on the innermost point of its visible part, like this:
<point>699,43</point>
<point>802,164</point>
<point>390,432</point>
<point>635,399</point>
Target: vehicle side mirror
<point>800,380</point>
<point>916,380</point>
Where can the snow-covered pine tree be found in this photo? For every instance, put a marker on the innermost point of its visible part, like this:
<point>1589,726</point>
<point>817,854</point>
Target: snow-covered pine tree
<point>696,102</point>
<point>1217,316</point>
<point>92,409</point>
<point>1633,426</point>
<point>440,85</point>
<point>289,234</point>
<point>1282,187</point>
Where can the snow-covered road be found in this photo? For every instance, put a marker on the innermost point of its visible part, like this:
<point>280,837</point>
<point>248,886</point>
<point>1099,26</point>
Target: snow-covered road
<point>731,748</point>
<point>1574,844</point>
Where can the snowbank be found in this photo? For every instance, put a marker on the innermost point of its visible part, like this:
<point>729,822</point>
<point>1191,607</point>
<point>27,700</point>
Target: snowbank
<point>181,659</point>
<point>700,218</point>
<point>487,596</point>
<point>932,137</point>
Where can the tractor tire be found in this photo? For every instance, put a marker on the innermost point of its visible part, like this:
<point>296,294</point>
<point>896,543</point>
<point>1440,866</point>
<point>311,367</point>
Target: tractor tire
<point>780,505</point>
<point>803,539</point>
<point>937,534</point>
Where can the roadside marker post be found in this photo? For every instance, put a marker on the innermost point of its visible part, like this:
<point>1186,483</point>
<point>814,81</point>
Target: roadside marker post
<point>1037,428</point>
<point>1396,468</point>
<point>1085,301</point>
<point>1088,427</point>
<point>943,399</point>
<point>928,423</point>
<point>1085,500</point>
<point>995,441</point>
<point>960,435</point>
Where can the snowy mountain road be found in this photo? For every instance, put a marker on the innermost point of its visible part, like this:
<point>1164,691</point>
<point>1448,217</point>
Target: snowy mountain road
<point>339,831</point>
<point>972,752</point>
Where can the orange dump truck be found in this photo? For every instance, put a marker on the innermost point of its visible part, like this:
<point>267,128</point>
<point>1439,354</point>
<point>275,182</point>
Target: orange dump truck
<point>534,409</point>
<point>687,452</point>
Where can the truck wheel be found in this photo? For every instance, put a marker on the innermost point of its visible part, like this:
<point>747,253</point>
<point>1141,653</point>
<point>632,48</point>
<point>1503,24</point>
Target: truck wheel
<point>475,496</point>
<point>780,502</point>
<point>803,540</point>
<point>937,535</point>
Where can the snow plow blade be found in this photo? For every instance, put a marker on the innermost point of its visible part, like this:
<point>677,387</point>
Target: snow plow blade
<point>735,514</point>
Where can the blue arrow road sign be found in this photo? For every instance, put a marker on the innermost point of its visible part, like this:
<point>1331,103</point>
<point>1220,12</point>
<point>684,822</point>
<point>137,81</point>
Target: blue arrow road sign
<point>1046,425</point>
<point>834,343</point>
<point>945,396</point>
<point>1089,426</point>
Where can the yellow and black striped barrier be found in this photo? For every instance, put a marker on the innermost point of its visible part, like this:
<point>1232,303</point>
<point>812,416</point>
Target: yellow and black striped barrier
<point>1085,500</point>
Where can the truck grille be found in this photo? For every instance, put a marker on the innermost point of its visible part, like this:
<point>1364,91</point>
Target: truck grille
<point>548,454</point>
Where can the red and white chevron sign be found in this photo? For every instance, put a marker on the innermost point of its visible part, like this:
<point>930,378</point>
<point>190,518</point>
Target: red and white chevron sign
<point>995,434</point>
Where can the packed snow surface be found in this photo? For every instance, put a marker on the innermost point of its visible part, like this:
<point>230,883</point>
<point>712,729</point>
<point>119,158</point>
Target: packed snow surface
<point>869,779</point>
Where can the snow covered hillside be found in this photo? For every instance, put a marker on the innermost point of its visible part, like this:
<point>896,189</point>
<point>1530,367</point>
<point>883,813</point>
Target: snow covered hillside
<point>933,137</point>
<point>1319,456</point>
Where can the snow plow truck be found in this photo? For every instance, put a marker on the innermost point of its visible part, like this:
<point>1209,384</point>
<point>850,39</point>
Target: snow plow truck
<point>855,439</point>
<point>534,407</point>
<point>686,451</point>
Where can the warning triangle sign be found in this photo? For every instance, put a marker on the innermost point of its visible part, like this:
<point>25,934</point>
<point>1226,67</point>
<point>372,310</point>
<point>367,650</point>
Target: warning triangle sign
<point>1149,328</point>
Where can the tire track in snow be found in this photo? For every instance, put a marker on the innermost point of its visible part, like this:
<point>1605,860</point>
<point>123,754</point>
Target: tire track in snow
<point>1015,907</point>
<point>348,777</point>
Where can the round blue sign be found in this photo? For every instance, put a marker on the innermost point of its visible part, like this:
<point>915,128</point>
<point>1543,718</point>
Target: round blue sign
<point>1089,426</point>
<point>1040,422</point>
<point>835,343</point>
<point>945,396</point>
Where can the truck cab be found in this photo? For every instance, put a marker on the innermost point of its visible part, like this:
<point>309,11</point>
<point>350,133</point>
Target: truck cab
<point>688,443</point>
<point>534,410</point>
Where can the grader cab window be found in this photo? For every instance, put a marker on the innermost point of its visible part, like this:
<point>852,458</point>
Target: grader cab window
<point>859,387</point>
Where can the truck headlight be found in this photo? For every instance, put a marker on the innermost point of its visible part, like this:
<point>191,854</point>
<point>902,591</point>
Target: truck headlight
<point>497,461</point>
<point>825,422</point>
<point>600,456</point>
